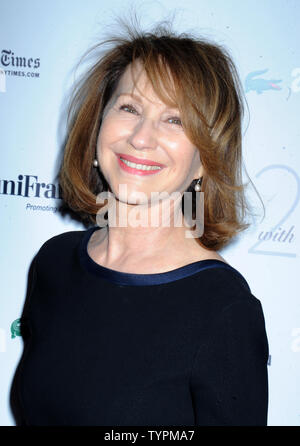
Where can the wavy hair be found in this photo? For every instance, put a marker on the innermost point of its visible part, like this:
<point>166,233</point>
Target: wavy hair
<point>197,75</point>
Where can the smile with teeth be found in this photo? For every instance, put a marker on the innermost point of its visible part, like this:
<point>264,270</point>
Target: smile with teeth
<point>139,166</point>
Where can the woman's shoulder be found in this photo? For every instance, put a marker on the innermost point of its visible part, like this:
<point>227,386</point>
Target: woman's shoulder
<point>220,285</point>
<point>60,243</point>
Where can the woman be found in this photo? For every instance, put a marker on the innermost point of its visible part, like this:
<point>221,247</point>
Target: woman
<point>143,324</point>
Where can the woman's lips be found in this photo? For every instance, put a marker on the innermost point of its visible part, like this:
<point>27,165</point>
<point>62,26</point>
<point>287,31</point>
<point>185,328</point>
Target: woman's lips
<point>135,171</point>
<point>135,160</point>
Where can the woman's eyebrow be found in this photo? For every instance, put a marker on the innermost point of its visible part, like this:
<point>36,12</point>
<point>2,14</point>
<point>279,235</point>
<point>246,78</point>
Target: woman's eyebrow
<point>134,96</point>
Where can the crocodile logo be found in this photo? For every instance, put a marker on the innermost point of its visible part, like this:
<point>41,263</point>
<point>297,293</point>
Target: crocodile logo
<point>15,328</point>
<point>258,84</point>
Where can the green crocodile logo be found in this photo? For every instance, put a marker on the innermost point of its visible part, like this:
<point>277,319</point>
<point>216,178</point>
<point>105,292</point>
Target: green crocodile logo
<point>15,328</point>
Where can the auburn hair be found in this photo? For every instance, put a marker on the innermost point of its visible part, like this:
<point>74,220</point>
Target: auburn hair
<point>197,75</point>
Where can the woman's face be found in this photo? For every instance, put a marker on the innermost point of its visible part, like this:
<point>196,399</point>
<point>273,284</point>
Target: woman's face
<point>142,126</point>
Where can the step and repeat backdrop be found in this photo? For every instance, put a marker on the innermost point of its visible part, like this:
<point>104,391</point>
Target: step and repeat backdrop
<point>41,44</point>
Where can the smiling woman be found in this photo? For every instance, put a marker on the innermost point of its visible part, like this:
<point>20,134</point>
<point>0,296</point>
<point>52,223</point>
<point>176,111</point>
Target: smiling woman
<point>142,133</point>
<point>161,330</point>
<point>207,98</point>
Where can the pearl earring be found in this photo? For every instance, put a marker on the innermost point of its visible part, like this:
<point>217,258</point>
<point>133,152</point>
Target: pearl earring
<point>95,163</point>
<point>198,185</point>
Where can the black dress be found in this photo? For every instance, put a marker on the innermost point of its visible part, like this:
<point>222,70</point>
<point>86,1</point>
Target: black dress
<point>101,347</point>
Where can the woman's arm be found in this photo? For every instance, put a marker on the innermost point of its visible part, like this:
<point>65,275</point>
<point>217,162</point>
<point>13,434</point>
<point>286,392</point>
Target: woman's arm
<point>15,398</point>
<point>229,378</point>
<point>32,281</point>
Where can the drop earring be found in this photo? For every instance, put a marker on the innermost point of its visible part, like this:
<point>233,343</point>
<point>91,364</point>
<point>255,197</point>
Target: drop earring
<point>198,185</point>
<point>95,163</point>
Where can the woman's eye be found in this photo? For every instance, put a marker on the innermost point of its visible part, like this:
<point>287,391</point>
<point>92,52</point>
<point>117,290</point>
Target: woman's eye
<point>175,120</point>
<point>129,108</point>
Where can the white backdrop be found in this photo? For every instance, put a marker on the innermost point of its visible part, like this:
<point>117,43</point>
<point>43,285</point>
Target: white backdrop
<point>41,42</point>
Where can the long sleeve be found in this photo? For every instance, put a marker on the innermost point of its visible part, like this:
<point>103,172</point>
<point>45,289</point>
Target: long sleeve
<point>15,400</point>
<point>32,282</point>
<point>229,378</point>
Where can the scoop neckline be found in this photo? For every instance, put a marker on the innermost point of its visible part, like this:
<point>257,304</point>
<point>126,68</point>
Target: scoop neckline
<point>132,279</point>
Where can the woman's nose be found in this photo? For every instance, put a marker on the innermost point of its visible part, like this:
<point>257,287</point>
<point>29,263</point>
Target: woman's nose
<point>143,135</point>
